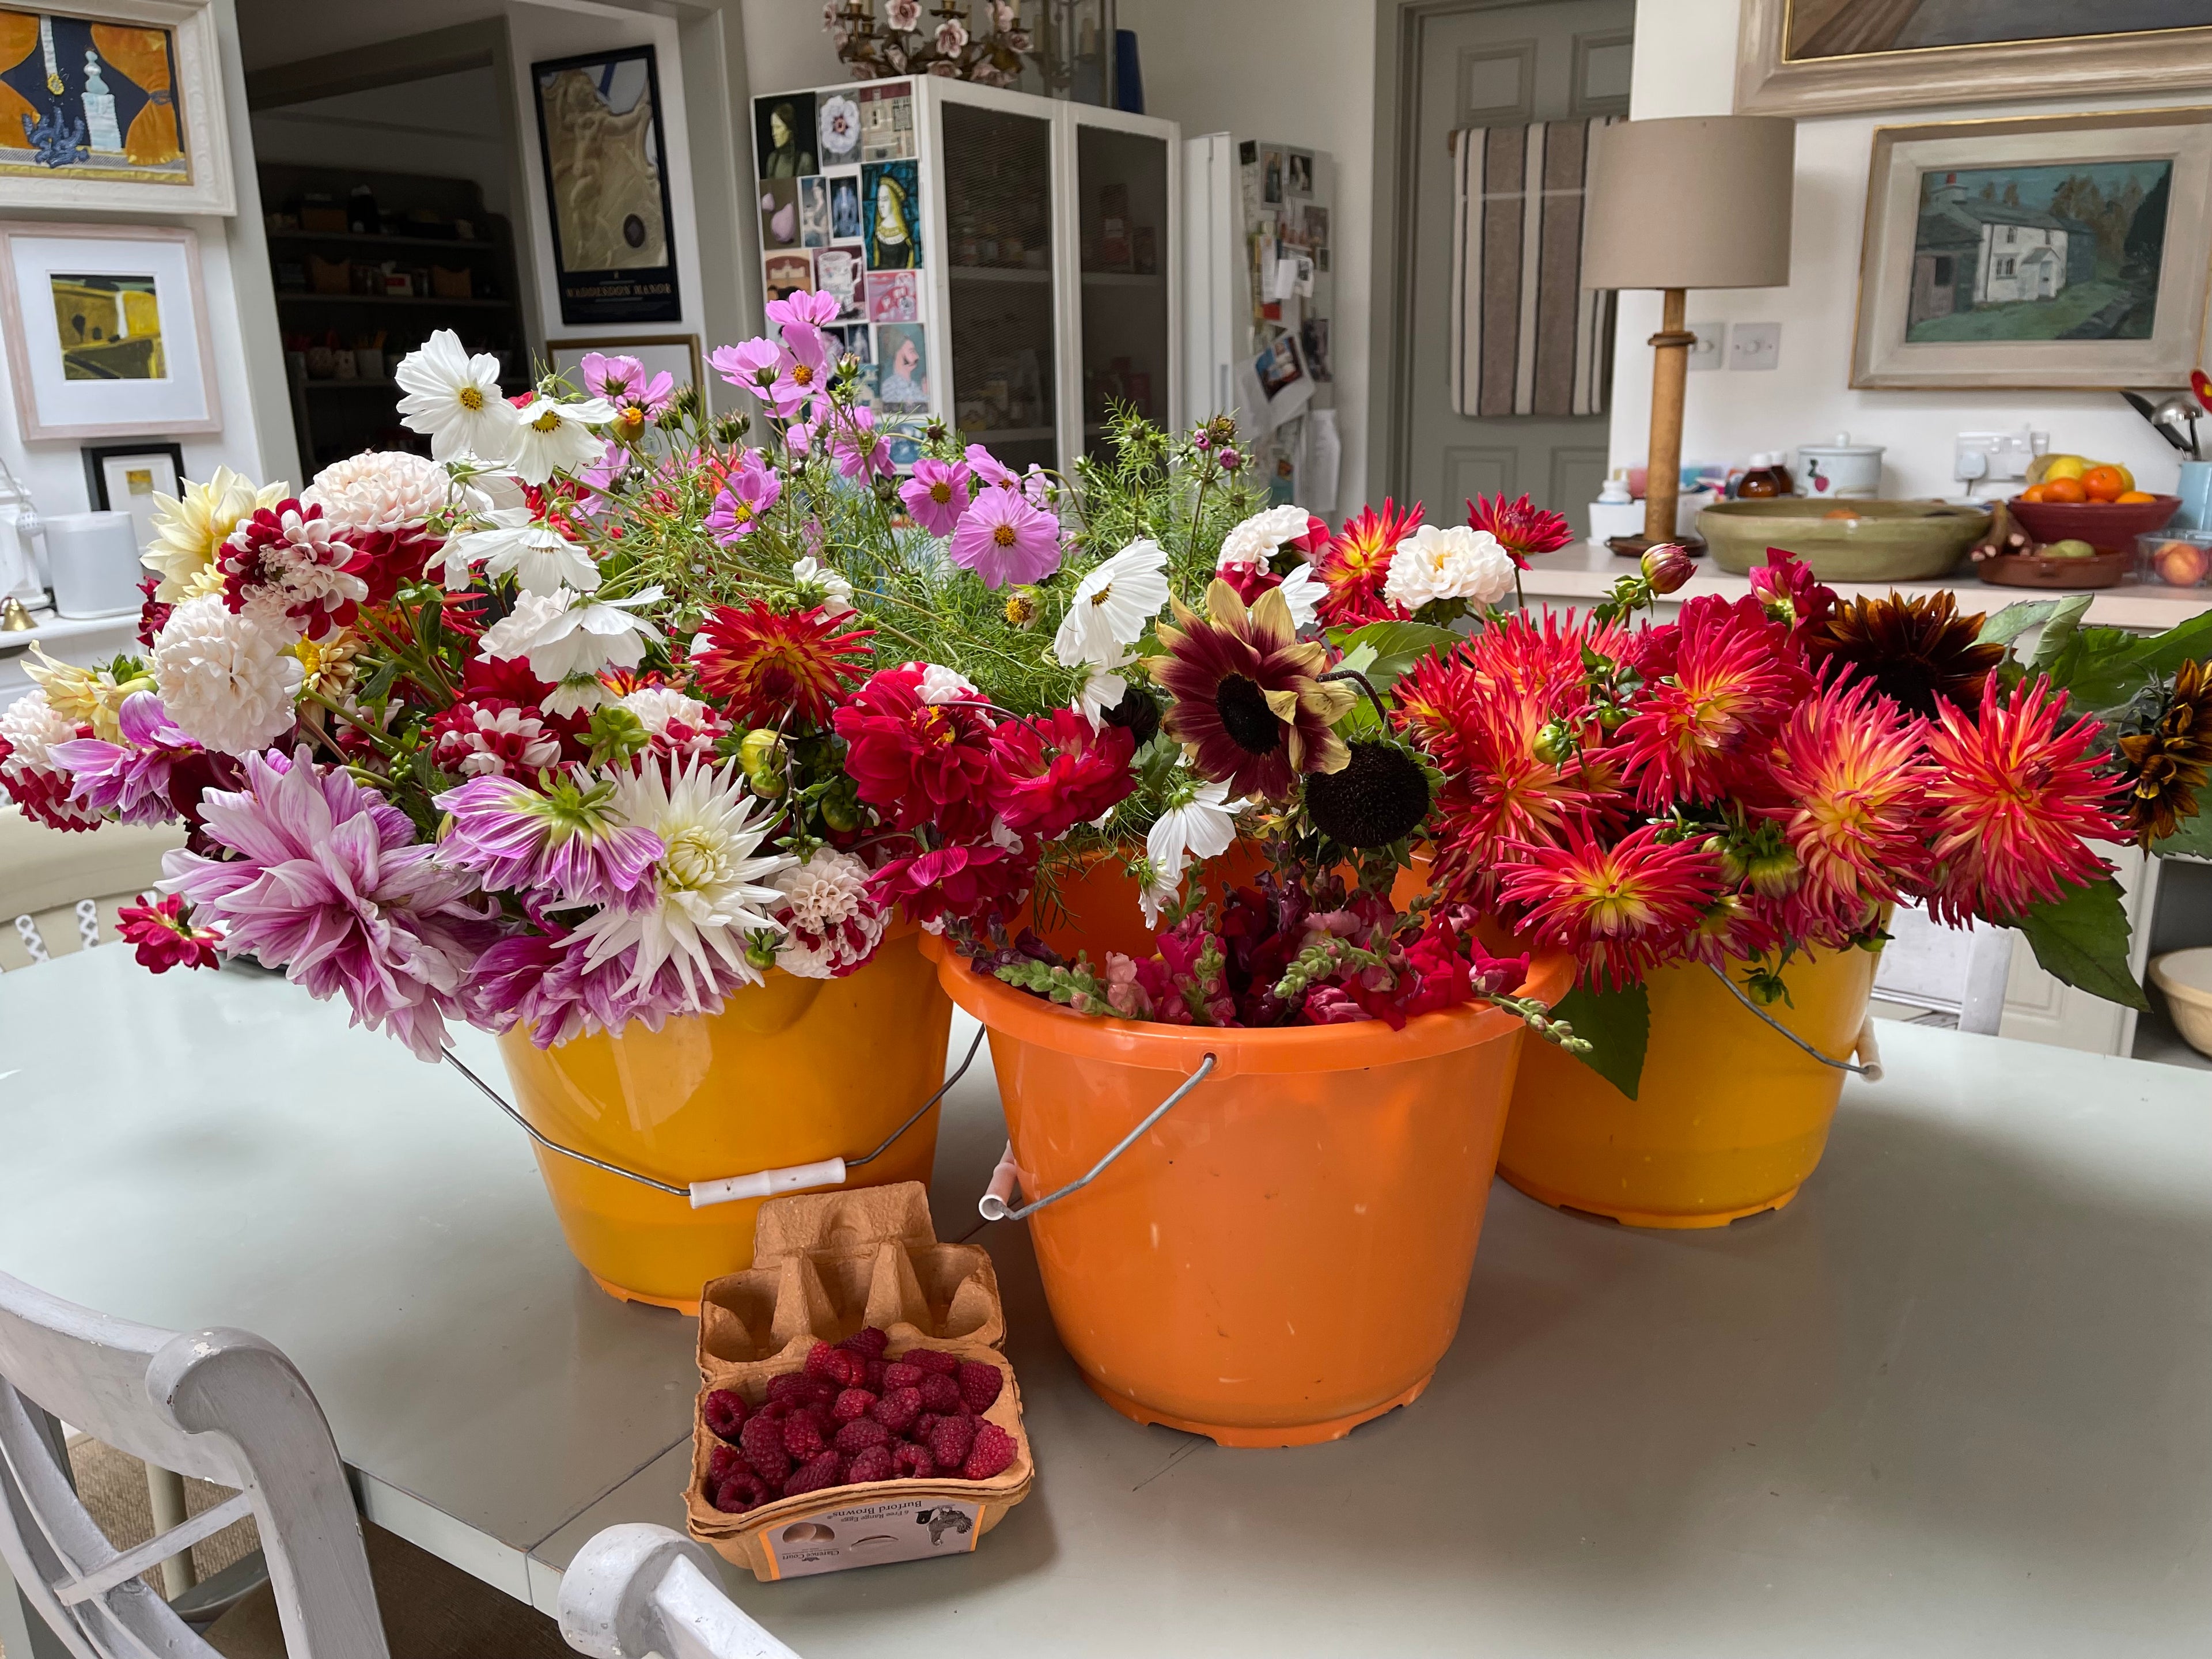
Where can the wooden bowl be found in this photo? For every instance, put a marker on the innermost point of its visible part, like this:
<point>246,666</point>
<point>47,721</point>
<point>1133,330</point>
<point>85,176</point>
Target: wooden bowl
<point>2035,570</point>
<point>1874,541</point>
<point>2108,526</point>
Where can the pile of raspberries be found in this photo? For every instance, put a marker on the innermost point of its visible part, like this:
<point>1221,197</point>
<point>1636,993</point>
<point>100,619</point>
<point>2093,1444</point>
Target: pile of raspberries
<point>851,1417</point>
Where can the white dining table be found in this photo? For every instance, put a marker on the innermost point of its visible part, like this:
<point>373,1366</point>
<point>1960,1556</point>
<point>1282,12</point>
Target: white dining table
<point>1955,1400</point>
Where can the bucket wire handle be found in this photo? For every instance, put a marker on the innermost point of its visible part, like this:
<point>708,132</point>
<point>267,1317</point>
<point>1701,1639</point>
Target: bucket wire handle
<point>727,1189</point>
<point>993,1205</point>
<point>1864,1045</point>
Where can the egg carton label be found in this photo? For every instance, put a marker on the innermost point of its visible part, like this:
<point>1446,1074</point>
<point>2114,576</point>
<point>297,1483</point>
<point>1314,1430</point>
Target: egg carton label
<point>868,1534</point>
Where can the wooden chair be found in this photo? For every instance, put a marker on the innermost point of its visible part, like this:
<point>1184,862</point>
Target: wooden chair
<point>59,892</point>
<point>228,1408</point>
<point>1945,970</point>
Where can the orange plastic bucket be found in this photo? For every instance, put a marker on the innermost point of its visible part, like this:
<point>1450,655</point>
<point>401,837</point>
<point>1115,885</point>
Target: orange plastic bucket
<point>1730,1116</point>
<point>792,1071</point>
<point>1285,1255</point>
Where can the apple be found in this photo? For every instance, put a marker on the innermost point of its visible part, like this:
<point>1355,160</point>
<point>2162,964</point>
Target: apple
<point>2181,564</point>
<point>2072,548</point>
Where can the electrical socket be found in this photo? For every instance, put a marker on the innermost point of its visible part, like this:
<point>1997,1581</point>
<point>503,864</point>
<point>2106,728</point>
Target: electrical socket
<point>2001,454</point>
<point>1754,345</point>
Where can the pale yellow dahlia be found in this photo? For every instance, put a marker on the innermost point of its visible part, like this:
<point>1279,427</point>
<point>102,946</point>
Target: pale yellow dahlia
<point>84,696</point>
<point>188,529</point>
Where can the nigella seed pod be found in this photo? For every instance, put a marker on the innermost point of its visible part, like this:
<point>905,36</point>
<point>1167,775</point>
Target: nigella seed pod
<point>1379,796</point>
<point>1136,713</point>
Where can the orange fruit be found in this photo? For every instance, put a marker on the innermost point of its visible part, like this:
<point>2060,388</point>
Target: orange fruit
<point>2132,497</point>
<point>2103,484</point>
<point>2033,493</point>
<point>2068,490</point>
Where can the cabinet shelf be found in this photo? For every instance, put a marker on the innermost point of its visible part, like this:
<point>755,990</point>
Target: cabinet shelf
<point>363,239</point>
<point>387,300</point>
<point>1123,279</point>
<point>1001,273</point>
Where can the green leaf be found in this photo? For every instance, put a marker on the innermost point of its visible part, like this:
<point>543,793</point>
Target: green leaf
<point>2110,681</point>
<point>2009,624</point>
<point>2192,838</point>
<point>1617,1024</point>
<point>2059,631</point>
<point>2082,940</point>
<point>1397,646</point>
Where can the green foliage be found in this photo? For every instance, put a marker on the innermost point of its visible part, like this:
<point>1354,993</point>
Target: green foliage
<point>2192,837</point>
<point>2082,939</point>
<point>1616,1025</point>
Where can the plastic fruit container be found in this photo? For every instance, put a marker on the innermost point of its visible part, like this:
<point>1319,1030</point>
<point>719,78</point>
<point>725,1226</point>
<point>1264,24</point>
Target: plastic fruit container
<point>2175,558</point>
<point>2108,526</point>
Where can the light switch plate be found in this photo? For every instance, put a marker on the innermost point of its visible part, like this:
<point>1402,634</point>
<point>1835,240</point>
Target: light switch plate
<point>1754,345</point>
<point>1712,341</point>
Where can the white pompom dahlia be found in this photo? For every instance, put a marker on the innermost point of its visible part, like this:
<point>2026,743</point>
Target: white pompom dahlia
<point>831,926</point>
<point>387,490</point>
<point>228,680</point>
<point>30,726</point>
<point>1455,563</point>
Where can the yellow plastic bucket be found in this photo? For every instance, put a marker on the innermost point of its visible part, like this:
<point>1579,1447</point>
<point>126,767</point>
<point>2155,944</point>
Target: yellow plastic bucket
<point>791,1072</point>
<point>1730,1117</point>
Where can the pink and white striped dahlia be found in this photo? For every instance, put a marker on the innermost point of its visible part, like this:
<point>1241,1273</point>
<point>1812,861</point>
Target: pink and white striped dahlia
<point>130,779</point>
<point>326,881</point>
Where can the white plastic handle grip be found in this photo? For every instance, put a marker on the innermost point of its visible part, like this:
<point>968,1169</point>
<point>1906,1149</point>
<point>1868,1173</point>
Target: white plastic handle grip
<point>1869,1051</point>
<point>992,1204</point>
<point>829,1172</point>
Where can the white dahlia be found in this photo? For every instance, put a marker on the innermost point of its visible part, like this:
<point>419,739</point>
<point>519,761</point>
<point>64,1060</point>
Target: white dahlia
<point>830,924</point>
<point>32,726</point>
<point>388,490</point>
<point>1453,562</point>
<point>708,889</point>
<point>1255,541</point>
<point>188,529</point>
<point>29,728</point>
<point>677,725</point>
<point>939,685</point>
<point>226,679</point>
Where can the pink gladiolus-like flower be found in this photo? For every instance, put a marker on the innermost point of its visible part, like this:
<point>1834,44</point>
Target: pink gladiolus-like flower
<point>1002,539</point>
<point>130,779</point>
<point>937,493</point>
<point>329,884</point>
<point>751,489</point>
<point>559,846</point>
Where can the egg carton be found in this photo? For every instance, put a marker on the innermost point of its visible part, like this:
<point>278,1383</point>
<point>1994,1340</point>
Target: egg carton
<point>826,1264</point>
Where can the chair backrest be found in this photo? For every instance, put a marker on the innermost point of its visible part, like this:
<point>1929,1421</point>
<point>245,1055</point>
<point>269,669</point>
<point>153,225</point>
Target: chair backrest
<point>639,1592</point>
<point>1958,970</point>
<point>60,893</point>
<point>222,1405</point>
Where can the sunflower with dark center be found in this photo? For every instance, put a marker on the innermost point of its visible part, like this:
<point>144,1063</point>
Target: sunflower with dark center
<point>1246,697</point>
<point>2166,753</point>
<point>1379,797</point>
<point>1918,653</point>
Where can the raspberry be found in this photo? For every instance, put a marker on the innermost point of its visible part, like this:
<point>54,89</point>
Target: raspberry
<point>913,1460</point>
<point>826,1470</point>
<point>932,1359</point>
<point>854,1402</point>
<point>940,1393</point>
<point>951,1440</point>
<point>792,1388</point>
<point>900,1375</point>
<point>803,1438</point>
<point>897,1410</point>
<point>762,1440</point>
<point>860,1434</point>
<point>722,1462</point>
<point>726,1414</point>
<point>991,1454</point>
<point>836,1366</point>
<point>979,1383</point>
<point>874,1383</point>
<point>924,1426</point>
<point>741,1491</point>
<point>873,1464</point>
<point>868,1342</point>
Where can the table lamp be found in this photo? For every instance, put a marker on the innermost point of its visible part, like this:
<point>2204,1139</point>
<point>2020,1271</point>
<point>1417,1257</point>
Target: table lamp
<point>1694,201</point>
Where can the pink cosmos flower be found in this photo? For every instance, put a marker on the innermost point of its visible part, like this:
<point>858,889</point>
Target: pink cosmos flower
<point>802,366</point>
<point>750,490</point>
<point>559,847</point>
<point>990,469</point>
<point>130,779</point>
<point>937,493</point>
<point>861,454</point>
<point>623,382</point>
<point>803,308</point>
<point>328,882</point>
<point>1002,539</point>
<point>752,365</point>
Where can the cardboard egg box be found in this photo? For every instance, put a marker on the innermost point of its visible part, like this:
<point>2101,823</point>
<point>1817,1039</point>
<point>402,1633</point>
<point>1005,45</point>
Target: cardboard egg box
<point>825,1265</point>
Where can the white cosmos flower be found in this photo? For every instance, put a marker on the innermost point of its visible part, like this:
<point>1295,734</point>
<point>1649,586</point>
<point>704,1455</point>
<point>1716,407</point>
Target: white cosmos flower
<point>1449,563</point>
<point>556,437</point>
<point>1112,605</point>
<point>1302,591</point>
<point>1199,826</point>
<point>810,576</point>
<point>708,889</point>
<point>454,399</point>
<point>1256,540</point>
<point>570,644</point>
<point>1104,690</point>
<point>539,557</point>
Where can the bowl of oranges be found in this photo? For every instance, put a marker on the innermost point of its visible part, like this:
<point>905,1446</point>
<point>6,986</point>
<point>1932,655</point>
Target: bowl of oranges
<point>2070,498</point>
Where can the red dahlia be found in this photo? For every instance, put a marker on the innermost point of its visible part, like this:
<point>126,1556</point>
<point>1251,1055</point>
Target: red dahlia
<point>1354,565</point>
<point>1521,527</point>
<point>915,762</point>
<point>765,665</point>
<point>1050,773</point>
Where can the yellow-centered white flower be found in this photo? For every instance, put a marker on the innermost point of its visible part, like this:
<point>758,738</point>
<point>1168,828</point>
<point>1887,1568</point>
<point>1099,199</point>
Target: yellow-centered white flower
<point>1112,606</point>
<point>539,557</point>
<point>453,398</point>
<point>557,437</point>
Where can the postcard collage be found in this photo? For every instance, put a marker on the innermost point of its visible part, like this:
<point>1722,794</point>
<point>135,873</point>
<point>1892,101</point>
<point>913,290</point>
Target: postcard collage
<point>840,213</point>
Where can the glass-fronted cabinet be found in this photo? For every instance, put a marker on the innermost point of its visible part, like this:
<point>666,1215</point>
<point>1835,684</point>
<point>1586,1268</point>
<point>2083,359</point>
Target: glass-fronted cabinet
<point>1007,263</point>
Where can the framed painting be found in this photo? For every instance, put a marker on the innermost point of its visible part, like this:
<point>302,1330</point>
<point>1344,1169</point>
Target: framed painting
<point>2066,251</point>
<point>606,186</point>
<point>107,331</point>
<point>1819,57</point>
<point>127,477</point>
<point>114,105</point>
<point>677,354</point>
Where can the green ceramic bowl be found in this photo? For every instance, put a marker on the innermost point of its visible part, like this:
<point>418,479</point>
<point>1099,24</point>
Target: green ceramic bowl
<point>1880,542</point>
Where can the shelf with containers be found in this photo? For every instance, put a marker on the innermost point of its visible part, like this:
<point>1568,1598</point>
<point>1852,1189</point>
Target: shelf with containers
<point>1005,263</point>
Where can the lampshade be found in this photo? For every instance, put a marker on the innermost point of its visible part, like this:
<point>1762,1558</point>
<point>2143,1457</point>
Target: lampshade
<point>1694,201</point>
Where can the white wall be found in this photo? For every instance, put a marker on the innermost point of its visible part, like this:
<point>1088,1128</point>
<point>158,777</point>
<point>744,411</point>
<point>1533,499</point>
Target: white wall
<point>1686,65</point>
<point>786,47</point>
<point>448,125</point>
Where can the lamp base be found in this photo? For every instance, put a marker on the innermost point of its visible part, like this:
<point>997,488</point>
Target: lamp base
<point>1635,547</point>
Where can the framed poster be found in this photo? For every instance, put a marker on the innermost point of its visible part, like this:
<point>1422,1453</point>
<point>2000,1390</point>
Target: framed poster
<point>844,205</point>
<point>678,354</point>
<point>785,273</point>
<point>126,478</point>
<point>2065,251</point>
<point>903,362</point>
<point>837,273</point>
<point>784,135</point>
<point>114,106</point>
<point>890,203</point>
<point>1818,57</point>
<point>606,186</point>
<point>107,331</point>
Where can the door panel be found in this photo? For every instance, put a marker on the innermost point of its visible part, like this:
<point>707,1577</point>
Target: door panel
<point>1492,66</point>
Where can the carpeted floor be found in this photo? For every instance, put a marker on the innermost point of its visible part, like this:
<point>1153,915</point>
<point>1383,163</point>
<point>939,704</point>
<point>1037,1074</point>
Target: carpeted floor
<point>112,1487</point>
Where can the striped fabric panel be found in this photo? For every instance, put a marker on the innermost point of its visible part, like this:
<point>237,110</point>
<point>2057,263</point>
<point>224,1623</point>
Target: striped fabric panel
<point>1526,337</point>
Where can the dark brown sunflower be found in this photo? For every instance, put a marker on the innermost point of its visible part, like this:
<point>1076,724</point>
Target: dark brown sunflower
<point>1248,703</point>
<point>1916,652</point>
<point>2166,753</point>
